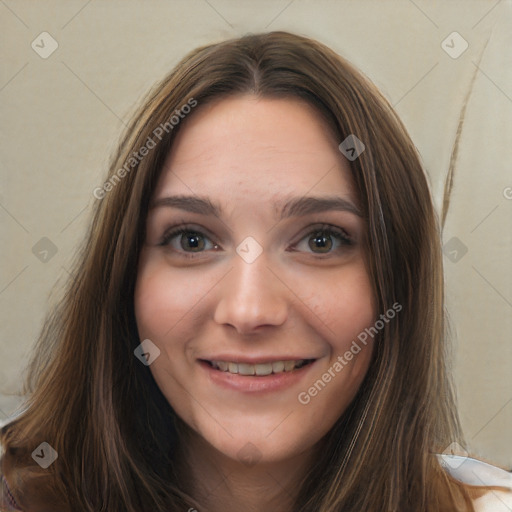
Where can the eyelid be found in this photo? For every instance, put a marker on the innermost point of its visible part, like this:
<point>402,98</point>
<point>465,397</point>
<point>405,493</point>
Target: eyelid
<point>172,231</point>
<point>325,227</point>
<point>179,228</point>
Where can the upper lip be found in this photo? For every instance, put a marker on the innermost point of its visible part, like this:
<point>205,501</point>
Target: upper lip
<point>254,359</point>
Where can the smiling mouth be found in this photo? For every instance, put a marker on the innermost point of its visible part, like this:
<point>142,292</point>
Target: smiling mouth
<point>259,369</point>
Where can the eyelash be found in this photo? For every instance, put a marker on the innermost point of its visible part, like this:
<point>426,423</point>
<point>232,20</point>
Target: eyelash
<point>326,229</point>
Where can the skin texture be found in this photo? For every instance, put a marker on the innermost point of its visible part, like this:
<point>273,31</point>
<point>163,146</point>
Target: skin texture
<point>250,155</point>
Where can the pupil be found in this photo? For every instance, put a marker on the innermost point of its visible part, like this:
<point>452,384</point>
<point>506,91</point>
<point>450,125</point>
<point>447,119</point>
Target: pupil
<point>194,242</point>
<point>322,242</point>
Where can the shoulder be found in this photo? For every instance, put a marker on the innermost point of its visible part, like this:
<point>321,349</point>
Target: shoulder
<point>7,501</point>
<point>25,485</point>
<point>495,494</point>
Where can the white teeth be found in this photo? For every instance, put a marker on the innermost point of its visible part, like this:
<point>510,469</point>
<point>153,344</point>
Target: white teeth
<point>278,366</point>
<point>223,365</point>
<point>245,369</point>
<point>263,369</point>
<point>289,366</point>
<point>260,369</point>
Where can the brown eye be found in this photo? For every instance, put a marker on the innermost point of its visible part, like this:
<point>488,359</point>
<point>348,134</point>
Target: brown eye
<point>191,241</point>
<point>324,240</point>
<point>320,242</point>
<point>186,240</point>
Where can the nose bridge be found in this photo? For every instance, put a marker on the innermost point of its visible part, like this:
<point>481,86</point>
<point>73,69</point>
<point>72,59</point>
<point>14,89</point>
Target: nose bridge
<point>251,296</point>
<point>251,280</point>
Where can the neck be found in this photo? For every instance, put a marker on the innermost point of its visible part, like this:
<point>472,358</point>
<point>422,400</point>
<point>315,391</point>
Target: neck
<point>221,484</point>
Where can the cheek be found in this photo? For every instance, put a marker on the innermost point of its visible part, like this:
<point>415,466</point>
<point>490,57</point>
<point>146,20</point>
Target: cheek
<point>336,382</point>
<point>343,301</point>
<point>164,298</point>
<point>167,304</point>
<point>346,307</point>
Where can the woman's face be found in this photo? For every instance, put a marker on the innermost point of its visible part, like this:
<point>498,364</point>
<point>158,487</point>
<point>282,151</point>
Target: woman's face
<point>253,263</point>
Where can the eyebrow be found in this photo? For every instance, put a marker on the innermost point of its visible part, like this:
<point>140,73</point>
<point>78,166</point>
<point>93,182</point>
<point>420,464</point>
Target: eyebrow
<point>294,207</point>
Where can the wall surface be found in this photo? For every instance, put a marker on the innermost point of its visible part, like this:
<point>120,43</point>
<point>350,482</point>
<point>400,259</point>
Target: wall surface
<point>73,72</point>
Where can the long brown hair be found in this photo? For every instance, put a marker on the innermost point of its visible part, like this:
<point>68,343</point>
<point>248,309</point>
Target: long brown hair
<point>101,410</point>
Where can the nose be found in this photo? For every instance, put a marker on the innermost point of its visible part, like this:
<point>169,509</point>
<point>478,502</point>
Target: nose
<point>251,297</point>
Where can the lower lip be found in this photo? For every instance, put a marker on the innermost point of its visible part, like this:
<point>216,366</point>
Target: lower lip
<point>253,384</point>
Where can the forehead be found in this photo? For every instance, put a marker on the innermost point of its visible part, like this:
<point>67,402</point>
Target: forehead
<point>260,147</point>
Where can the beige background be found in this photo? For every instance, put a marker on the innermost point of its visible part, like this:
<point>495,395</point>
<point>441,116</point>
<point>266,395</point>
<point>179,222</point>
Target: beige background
<point>62,116</point>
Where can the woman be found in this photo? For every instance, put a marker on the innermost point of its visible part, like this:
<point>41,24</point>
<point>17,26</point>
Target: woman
<point>257,316</point>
